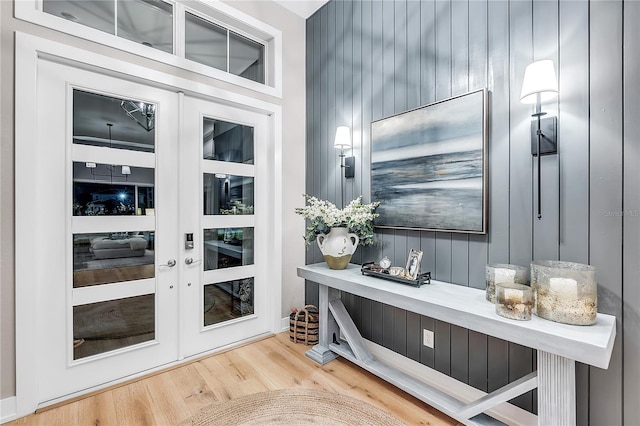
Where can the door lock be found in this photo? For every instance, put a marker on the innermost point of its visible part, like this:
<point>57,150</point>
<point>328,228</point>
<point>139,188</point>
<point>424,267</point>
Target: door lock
<point>188,241</point>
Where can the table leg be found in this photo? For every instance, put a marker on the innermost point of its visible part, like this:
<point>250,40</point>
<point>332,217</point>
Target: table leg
<point>328,327</point>
<point>556,390</point>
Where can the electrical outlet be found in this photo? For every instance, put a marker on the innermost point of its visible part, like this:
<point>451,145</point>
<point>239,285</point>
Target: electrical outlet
<point>427,338</point>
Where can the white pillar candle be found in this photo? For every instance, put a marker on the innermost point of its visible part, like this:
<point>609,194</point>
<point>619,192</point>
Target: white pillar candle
<point>512,295</point>
<point>505,276</point>
<point>564,287</point>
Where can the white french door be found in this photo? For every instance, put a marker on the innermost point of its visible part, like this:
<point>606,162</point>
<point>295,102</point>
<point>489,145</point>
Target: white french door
<point>222,167</point>
<point>105,306</point>
<point>119,182</point>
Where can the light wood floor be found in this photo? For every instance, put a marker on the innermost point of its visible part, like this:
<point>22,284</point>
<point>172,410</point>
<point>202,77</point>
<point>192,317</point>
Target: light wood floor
<point>274,363</point>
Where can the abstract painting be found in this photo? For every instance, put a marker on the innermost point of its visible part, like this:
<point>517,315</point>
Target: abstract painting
<point>428,166</point>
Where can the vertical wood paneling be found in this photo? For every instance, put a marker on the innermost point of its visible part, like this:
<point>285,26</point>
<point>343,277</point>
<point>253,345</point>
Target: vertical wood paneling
<point>546,230</point>
<point>332,159</point>
<point>367,99</point>
<point>443,256</point>
<point>520,360</point>
<point>413,336</point>
<point>388,326</point>
<point>371,59</point>
<point>311,126</point>
<point>366,111</point>
<point>442,347</point>
<point>521,206</point>
<point>427,52</point>
<point>323,142</point>
<point>356,104</point>
<point>478,360</point>
<point>348,95</point>
<point>459,47</point>
<point>388,58</point>
<point>459,354</point>
<point>573,153</point>
<point>401,61</point>
<point>427,355</point>
<point>428,247</point>
<point>521,172</point>
<point>443,49</point>
<point>460,259</point>
<point>443,240</point>
<point>498,366</point>
<point>365,314</point>
<point>377,25</point>
<point>499,127</point>
<point>477,79</point>
<point>605,36</point>
<point>376,322</point>
<point>631,221</point>
<point>400,331</point>
<point>413,54</point>
<point>573,135</point>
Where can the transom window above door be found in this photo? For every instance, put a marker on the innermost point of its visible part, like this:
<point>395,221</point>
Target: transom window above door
<point>210,38</point>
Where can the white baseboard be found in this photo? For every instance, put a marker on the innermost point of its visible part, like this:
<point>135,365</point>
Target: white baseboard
<point>505,412</point>
<point>8,409</point>
<point>284,324</point>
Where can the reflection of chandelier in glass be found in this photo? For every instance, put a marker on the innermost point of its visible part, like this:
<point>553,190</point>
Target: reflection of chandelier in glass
<point>125,170</point>
<point>142,113</point>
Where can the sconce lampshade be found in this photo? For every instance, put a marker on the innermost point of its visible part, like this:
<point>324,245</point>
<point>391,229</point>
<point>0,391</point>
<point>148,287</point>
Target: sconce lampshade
<point>539,77</point>
<point>343,138</point>
<point>126,170</point>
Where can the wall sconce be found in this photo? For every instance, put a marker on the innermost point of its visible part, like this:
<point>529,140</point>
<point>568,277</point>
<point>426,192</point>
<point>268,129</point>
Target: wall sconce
<point>540,85</point>
<point>342,141</point>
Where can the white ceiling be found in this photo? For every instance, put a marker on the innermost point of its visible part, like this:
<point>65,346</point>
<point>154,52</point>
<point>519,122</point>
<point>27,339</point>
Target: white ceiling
<point>303,8</point>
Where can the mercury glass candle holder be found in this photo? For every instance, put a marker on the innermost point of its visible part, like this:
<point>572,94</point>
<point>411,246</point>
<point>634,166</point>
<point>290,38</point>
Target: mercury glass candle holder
<point>514,301</point>
<point>502,273</point>
<point>566,292</point>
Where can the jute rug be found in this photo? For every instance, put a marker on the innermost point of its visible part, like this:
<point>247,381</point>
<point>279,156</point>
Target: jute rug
<point>293,406</point>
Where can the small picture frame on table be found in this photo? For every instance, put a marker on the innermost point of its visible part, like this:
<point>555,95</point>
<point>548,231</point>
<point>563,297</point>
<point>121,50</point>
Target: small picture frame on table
<point>413,264</point>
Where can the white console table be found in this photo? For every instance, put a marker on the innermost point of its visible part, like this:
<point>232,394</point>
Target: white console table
<point>559,346</point>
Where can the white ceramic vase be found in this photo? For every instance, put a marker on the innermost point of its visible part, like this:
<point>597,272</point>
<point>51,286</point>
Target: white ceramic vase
<point>337,247</point>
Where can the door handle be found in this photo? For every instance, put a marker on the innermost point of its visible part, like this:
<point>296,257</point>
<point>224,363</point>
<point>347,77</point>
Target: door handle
<point>170,264</point>
<point>190,261</point>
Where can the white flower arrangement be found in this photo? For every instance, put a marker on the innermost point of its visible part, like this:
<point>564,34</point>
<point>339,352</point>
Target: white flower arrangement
<point>324,215</point>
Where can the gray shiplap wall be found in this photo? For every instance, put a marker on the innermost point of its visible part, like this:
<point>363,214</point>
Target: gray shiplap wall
<point>370,59</point>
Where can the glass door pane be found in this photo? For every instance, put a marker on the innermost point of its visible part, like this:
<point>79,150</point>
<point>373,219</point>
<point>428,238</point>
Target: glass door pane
<point>227,300</point>
<point>117,252</point>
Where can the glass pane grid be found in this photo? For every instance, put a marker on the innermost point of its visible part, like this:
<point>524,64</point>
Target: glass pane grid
<point>205,42</point>
<point>114,324</point>
<point>228,300</point>
<point>148,22</point>
<point>151,23</point>
<point>227,142</point>
<point>227,248</point>
<point>104,258</point>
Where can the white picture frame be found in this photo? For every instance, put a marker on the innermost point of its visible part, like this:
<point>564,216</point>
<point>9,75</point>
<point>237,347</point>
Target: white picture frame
<point>413,264</point>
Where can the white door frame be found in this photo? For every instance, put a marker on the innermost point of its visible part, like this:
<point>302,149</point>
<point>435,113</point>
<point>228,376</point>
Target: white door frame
<point>29,50</point>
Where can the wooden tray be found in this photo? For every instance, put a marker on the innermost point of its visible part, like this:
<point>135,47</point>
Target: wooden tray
<point>424,278</point>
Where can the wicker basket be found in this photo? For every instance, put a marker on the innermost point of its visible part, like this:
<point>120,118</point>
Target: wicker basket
<point>303,325</point>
